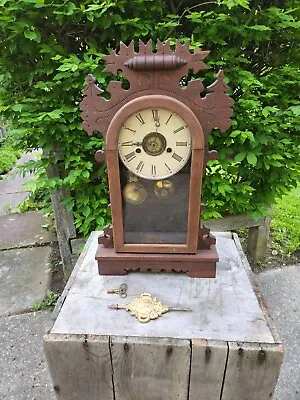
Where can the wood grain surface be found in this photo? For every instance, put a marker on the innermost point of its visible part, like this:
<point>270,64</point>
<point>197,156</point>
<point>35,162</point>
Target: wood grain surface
<point>150,368</point>
<point>80,366</point>
<point>207,369</point>
<point>252,371</point>
<point>225,349</point>
<point>224,308</point>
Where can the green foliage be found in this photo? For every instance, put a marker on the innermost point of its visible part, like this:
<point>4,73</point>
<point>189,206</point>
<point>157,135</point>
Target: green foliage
<point>8,155</point>
<point>259,159</point>
<point>285,225</point>
<point>48,48</point>
<point>48,302</point>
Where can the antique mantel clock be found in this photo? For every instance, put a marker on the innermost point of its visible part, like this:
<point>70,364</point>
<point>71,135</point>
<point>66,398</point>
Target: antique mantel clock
<point>156,152</point>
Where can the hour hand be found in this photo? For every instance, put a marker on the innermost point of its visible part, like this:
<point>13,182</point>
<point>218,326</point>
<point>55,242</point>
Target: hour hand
<point>131,143</point>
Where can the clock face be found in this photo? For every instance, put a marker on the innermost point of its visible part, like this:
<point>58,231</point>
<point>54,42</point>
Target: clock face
<point>154,143</point>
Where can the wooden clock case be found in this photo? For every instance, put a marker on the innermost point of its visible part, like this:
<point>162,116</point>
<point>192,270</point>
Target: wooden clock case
<point>155,82</point>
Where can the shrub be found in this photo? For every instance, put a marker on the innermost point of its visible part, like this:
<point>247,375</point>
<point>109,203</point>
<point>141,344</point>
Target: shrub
<point>48,48</point>
<point>285,226</point>
<point>8,156</point>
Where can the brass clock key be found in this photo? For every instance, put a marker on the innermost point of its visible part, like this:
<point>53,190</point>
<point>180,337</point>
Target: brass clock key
<point>121,291</point>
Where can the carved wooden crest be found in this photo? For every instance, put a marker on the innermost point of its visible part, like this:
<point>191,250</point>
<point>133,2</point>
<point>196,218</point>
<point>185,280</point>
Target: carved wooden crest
<point>159,72</point>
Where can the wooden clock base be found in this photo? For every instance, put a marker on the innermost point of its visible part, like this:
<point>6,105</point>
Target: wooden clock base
<point>199,265</point>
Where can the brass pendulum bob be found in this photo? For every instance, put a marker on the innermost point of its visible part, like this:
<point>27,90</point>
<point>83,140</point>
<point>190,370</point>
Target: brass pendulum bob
<point>163,189</point>
<point>134,192</point>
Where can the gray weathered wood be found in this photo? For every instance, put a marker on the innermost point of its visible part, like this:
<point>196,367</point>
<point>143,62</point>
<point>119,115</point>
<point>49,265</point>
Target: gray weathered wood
<point>254,283</point>
<point>224,349</point>
<point>3,133</point>
<point>224,308</point>
<point>80,366</point>
<point>252,371</point>
<point>72,277</point>
<point>258,232</point>
<point>258,240</point>
<point>150,368</point>
<point>207,369</point>
<point>233,222</point>
<point>64,222</point>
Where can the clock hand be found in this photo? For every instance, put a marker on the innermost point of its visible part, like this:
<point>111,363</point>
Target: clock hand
<point>155,115</point>
<point>131,143</point>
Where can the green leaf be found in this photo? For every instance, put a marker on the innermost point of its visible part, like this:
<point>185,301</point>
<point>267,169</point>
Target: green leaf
<point>239,157</point>
<point>100,221</point>
<point>86,211</point>
<point>259,28</point>
<point>31,35</point>
<point>71,8</point>
<point>17,107</point>
<point>235,133</point>
<point>30,185</point>
<point>265,112</point>
<point>251,158</point>
<point>295,110</point>
<point>85,174</point>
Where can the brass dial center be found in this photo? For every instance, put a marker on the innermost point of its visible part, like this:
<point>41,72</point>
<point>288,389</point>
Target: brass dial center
<point>154,143</point>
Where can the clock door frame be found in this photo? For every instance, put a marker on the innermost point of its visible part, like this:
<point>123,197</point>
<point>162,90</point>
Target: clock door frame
<point>196,173</point>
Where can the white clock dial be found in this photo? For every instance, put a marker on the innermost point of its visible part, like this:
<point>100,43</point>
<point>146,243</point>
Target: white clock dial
<point>154,143</point>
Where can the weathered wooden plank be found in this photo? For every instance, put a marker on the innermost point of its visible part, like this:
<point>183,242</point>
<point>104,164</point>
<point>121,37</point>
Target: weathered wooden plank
<point>233,222</point>
<point>207,369</point>
<point>77,267</point>
<point>252,371</point>
<point>255,285</point>
<point>80,366</point>
<point>224,308</point>
<point>150,368</point>
<point>64,221</point>
<point>258,240</point>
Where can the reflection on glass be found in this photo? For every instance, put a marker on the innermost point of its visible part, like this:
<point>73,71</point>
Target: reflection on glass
<point>155,211</point>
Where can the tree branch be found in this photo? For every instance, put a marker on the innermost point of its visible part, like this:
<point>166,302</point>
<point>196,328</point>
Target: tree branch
<point>195,6</point>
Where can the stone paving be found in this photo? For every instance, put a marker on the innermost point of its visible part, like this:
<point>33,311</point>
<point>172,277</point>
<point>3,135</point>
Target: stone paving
<point>12,192</point>
<point>24,280</point>
<point>23,370</point>
<point>24,230</point>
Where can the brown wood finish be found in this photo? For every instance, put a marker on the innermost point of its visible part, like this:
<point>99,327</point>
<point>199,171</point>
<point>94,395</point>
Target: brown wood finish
<point>199,265</point>
<point>112,161</point>
<point>213,110</point>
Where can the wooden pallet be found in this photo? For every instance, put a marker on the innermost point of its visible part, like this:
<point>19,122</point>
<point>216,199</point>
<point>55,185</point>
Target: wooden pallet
<point>226,348</point>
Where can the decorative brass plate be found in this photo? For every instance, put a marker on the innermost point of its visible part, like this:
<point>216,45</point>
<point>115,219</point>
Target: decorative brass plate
<point>146,307</point>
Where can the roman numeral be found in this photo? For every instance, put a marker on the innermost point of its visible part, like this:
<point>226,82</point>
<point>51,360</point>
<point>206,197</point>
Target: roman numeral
<point>178,129</point>
<point>130,156</point>
<point>181,143</point>
<point>140,118</point>
<point>155,115</point>
<point>153,170</point>
<point>177,157</point>
<point>168,167</point>
<point>168,120</point>
<point>129,129</point>
<point>140,166</point>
